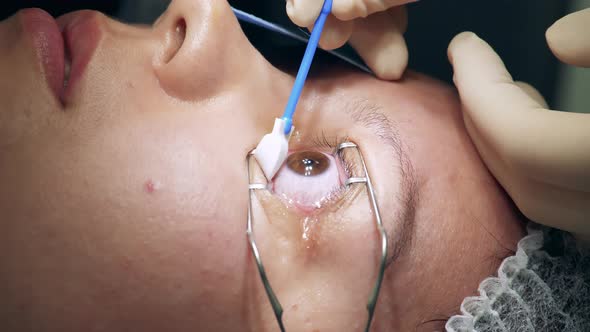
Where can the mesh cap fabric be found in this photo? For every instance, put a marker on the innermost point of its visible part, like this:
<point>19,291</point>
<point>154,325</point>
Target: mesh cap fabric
<point>545,287</point>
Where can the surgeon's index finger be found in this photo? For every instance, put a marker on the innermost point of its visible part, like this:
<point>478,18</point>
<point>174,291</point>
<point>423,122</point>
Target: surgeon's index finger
<point>549,146</point>
<point>379,40</point>
<point>569,39</point>
<point>304,12</point>
<point>350,9</point>
<point>335,34</point>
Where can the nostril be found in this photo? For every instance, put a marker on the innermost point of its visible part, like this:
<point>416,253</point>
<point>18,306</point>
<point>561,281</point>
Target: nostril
<point>175,39</point>
<point>194,47</point>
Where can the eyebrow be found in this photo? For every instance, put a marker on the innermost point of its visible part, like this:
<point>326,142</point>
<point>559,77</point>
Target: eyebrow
<point>371,116</point>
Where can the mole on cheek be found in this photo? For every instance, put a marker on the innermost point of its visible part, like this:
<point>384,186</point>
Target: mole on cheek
<point>150,186</point>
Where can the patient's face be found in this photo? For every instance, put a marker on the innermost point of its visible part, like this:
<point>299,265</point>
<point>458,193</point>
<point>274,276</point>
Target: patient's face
<point>123,197</point>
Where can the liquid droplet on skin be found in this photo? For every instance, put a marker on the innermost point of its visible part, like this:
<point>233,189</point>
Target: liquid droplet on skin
<point>297,136</point>
<point>305,234</point>
<point>309,223</point>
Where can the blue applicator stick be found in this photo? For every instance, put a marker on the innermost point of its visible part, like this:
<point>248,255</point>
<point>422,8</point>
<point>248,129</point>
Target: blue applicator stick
<point>312,45</point>
<point>272,150</point>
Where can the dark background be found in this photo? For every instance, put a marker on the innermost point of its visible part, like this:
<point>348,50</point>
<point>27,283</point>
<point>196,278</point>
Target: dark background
<point>515,28</point>
<point>58,7</point>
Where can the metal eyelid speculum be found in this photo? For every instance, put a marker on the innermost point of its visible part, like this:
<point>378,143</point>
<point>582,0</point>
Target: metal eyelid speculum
<point>353,180</point>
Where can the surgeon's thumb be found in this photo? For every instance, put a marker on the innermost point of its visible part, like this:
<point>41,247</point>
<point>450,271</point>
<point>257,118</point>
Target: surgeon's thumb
<point>510,124</point>
<point>568,38</point>
<point>497,106</point>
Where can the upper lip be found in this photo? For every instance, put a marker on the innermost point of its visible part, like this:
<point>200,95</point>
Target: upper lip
<point>63,46</point>
<point>81,33</point>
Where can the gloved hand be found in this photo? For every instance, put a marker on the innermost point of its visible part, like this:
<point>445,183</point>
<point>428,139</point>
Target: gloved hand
<point>541,157</point>
<point>374,28</point>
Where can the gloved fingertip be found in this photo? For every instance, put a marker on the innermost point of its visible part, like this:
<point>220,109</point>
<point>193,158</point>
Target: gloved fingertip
<point>346,10</point>
<point>328,44</point>
<point>303,12</point>
<point>389,73</point>
<point>555,37</point>
<point>336,33</point>
<point>390,63</point>
<point>568,27</point>
<point>379,40</point>
<point>566,40</point>
<point>290,9</point>
<point>460,41</point>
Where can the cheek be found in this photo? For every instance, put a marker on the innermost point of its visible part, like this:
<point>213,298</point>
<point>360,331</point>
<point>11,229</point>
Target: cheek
<point>147,229</point>
<point>192,213</point>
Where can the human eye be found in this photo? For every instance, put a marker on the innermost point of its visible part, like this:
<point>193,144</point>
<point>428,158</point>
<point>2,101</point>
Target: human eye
<point>313,175</point>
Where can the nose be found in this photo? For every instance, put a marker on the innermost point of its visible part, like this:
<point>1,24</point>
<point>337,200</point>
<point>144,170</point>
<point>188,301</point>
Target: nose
<point>203,50</point>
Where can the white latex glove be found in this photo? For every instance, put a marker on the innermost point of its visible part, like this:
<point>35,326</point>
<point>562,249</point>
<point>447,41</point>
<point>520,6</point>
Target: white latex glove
<point>374,28</point>
<point>540,156</point>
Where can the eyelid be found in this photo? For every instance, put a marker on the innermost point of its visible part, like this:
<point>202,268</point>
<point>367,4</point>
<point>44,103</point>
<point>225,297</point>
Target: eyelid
<point>322,140</point>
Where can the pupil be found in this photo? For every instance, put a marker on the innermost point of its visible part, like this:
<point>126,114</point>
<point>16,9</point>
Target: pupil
<point>308,163</point>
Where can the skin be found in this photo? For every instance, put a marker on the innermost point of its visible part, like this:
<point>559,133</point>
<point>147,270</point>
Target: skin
<point>125,208</point>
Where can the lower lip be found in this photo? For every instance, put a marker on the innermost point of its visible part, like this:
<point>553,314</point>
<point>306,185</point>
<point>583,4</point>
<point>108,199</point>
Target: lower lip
<point>49,45</point>
<point>81,33</point>
<point>77,32</point>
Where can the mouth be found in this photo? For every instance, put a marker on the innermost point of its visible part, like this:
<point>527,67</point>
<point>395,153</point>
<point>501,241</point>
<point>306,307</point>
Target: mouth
<point>67,68</point>
<point>81,34</point>
<point>64,47</point>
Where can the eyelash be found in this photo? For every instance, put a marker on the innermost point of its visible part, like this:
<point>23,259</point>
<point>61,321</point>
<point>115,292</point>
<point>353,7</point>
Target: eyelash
<point>322,141</point>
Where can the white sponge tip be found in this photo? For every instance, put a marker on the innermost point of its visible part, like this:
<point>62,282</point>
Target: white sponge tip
<point>272,150</point>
